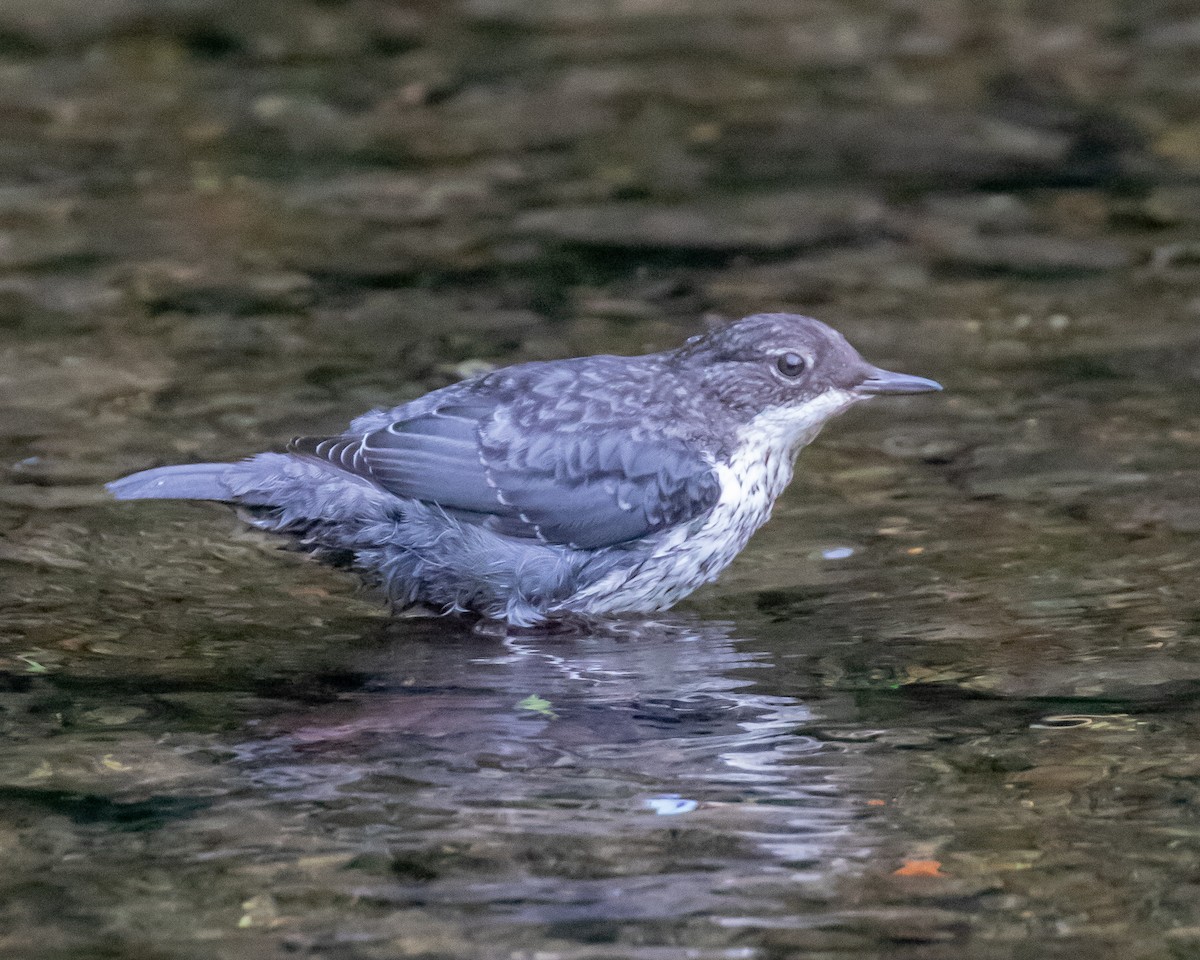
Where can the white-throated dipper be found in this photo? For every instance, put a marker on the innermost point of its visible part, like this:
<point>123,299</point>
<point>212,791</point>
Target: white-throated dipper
<point>567,487</point>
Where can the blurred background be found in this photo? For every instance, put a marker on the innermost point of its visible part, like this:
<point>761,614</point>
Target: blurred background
<point>945,705</point>
<point>358,193</point>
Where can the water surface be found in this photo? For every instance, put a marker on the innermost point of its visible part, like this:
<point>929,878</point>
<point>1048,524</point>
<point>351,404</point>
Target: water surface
<point>945,705</point>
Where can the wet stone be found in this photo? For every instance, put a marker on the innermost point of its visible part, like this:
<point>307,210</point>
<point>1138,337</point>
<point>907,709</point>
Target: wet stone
<point>1057,778</point>
<point>1060,484</point>
<point>112,715</point>
<point>913,146</point>
<point>402,199</point>
<point>179,286</point>
<point>907,925</point>
<point>764,223</point>
<point>1178,516</point>
<point>1030,254</point>
<point>1177,36</point>
<point>60,22</point>
<point>21,249</point>
<point>982,212</point>
<point>818,940</point>
<point>21,422</point>
<point>484,121</point>
<point>819,276</point>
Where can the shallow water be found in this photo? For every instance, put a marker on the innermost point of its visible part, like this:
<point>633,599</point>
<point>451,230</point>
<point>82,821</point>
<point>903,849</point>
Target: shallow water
<point>945,705</point>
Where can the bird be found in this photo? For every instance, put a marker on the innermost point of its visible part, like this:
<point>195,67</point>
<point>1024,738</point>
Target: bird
<point>560,489</point>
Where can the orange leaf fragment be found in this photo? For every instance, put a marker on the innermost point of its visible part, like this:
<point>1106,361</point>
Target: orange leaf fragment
<point>920,868</point>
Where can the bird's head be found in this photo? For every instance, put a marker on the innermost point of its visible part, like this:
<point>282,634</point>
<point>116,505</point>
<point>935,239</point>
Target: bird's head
<point>786,374</point>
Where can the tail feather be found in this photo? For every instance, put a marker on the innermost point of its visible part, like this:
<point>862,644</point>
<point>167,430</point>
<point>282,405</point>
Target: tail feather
<point>195,481</point>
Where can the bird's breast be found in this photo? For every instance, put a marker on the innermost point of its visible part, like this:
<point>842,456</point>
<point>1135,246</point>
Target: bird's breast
<point>751,481</point>
<point>680,559</point>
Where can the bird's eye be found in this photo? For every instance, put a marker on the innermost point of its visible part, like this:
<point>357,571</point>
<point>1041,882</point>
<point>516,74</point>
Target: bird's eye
<point>791,364</point>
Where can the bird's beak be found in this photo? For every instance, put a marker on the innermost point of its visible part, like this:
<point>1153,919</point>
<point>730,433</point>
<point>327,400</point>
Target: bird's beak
<point>884,381</point>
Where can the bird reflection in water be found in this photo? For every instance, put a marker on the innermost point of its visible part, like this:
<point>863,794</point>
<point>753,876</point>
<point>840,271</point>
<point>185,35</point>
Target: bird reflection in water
<point>592,750</point>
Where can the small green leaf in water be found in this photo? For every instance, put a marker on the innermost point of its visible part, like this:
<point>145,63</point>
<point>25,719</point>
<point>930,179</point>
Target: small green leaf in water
<point>31,665</point>
<point>537,705</point>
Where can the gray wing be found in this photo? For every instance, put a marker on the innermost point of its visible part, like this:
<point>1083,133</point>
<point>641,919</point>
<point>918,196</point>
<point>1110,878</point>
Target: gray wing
<point>581,488</point>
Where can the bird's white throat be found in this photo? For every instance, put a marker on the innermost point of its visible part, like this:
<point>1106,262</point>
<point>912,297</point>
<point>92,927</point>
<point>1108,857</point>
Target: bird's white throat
<point>784,430</point>
<point>762,461</point>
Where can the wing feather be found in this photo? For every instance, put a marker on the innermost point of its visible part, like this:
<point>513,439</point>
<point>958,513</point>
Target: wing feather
<point>582,488</point>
